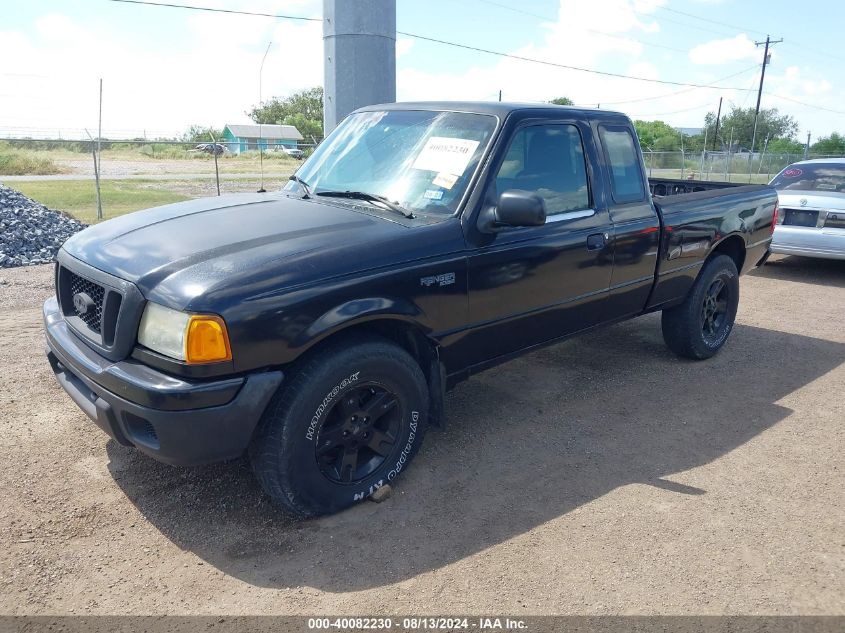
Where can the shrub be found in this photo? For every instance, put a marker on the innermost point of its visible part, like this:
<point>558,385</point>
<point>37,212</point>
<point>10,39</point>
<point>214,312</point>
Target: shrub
<point>14,162</point>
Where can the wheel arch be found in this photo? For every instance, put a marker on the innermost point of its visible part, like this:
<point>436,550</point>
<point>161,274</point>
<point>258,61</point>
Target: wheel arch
<point>733,246</point>
<point>398,322</point>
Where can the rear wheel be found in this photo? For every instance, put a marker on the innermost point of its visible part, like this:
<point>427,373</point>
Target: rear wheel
<point>349,421</point>
<point>699,327</point>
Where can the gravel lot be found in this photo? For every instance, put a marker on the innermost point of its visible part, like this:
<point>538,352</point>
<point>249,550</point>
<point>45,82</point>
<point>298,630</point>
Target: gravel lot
<point>601,475</point>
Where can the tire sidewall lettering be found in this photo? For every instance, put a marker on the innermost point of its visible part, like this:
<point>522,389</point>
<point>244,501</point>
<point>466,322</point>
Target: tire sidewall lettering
<point>310,432</point>
<point>406,450</point>
<point>731,279</point>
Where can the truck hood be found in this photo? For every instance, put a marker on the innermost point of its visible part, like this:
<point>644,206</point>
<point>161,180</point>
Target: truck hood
<point>182,254</point>
<point>791,199</point>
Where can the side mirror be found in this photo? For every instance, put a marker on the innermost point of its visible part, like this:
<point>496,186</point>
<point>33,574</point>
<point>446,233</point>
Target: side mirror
<point>515,207</point>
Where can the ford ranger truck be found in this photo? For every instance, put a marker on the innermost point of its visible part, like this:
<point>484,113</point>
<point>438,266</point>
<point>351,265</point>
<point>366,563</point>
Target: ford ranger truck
<point>317,328</point>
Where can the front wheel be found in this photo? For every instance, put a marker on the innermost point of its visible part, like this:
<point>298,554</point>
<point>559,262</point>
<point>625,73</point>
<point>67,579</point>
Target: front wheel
<point>699,327</point>
<point>350,419</point>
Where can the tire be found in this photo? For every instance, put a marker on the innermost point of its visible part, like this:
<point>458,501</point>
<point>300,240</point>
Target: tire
<point>349,420</point>
<point>699,327</point>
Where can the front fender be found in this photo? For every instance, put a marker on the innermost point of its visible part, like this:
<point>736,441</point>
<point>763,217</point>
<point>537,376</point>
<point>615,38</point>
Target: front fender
<point>359,311</point>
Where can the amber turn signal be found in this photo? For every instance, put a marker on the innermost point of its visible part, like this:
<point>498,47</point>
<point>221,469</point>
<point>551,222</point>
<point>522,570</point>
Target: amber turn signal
<point>207,340</point>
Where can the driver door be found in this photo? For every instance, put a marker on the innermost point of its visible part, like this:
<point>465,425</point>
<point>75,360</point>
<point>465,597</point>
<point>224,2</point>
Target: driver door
<point>533,284</point>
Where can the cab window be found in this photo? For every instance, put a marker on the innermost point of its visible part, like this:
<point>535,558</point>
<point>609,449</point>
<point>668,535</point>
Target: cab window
<point>549,161</point>
<point>626,176</point>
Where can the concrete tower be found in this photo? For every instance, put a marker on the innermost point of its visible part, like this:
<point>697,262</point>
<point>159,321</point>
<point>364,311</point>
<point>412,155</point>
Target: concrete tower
<point>359,56</point>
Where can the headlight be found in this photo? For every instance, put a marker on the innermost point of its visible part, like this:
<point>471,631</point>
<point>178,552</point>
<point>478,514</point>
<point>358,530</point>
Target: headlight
<point>193,338</point>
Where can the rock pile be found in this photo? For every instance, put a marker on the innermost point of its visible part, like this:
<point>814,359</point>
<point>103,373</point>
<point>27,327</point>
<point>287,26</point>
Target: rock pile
<point>30,233</point>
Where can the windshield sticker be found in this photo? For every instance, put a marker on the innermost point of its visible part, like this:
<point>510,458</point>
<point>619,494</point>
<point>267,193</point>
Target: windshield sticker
<point>433,194</point>
<point>443,154</point>
<point>447,181</point>
<point>793,172</point>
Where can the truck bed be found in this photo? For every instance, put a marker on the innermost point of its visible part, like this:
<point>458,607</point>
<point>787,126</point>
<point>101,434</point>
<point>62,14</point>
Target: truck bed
<point>675,186</point>
<point>694,223</point>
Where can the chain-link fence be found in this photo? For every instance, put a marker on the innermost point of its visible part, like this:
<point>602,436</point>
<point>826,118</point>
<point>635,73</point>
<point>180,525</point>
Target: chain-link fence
<point>137,173</point>
<point>723,166</point>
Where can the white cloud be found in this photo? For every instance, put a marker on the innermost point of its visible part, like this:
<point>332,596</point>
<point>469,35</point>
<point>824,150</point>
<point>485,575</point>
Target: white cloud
<point>725,51</point>
<point>403,46</point>
<point>48,77</point>
<point>210,77</point>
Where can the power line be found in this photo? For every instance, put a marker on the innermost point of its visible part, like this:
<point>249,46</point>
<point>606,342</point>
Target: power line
<point>698,107</point>
<point>799,45</point>
<point>703,19</point>
<point>501,54</point>
<point>558,65</point>
<point>826,55</point>
<point>809,105</point>
<point>215,10</point>
<point>690,26</point>
<point>678,92</point>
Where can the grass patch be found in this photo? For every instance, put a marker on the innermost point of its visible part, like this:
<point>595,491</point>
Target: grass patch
<point>79,197</point>
<point>14,162</point>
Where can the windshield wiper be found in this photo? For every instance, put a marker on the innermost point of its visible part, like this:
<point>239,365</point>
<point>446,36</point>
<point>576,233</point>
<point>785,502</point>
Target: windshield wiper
<point>305,186</point>
<point>369,197</point>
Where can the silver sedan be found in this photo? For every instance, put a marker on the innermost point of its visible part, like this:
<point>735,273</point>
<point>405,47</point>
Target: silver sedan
<point>811,216</point>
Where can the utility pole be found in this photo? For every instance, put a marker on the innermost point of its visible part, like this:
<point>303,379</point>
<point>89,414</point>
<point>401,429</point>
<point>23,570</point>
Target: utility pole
<point>767,43</point>
<point>261,188</point>
<point>500,95</point>
<point>97,170</point>
<point>807,147</point>
<point>359,56</point>
<point>718,116</point>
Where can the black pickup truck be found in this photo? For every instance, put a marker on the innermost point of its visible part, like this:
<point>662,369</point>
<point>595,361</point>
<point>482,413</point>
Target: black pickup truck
<point>318,328</point>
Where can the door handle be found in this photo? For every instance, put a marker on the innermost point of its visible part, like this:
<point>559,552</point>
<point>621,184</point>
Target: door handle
<point>596,241</point>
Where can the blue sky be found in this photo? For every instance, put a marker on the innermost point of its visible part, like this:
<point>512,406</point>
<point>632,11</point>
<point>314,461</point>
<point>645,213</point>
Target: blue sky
<point>165,69</point>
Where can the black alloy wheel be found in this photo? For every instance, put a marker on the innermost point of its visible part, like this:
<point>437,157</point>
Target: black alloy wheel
<point>359,433</point>
<point>349,419</point>
<point>699,326</point>
<point>714,309</point>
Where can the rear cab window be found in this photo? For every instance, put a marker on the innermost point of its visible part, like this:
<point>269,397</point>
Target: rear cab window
<point>621,157</point>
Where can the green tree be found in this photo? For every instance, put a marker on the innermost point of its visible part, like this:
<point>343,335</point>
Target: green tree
<point>658,136</point>
<point>304,109</point>
<point>562,101</point>
<point>833,144</point>
<point>307,127</point>
<point>783,146</point>
<point>201,134</point>
<point>739,122</point>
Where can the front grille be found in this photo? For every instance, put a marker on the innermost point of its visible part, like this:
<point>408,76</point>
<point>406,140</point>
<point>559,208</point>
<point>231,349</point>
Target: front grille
<point>93,316</point>
<point>112,307</point>
<point>90,306</point>
<point>799,217</point>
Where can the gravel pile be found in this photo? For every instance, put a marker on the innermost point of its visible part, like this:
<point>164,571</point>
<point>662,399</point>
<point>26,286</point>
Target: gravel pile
<point>30,233</point>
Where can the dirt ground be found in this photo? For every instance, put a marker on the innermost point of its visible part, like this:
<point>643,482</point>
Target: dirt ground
<point>601,475</point>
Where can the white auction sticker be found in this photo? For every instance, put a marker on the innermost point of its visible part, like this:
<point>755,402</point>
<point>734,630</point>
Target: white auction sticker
<point>446,155</point>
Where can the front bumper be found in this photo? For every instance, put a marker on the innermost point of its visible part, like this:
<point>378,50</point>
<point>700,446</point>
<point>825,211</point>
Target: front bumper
<point>171,419</point>
<point>824,243</point>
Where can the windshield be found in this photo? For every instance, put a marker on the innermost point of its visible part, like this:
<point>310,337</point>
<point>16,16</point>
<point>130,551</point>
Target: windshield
<point>422,160</point>
<point>826,177</point>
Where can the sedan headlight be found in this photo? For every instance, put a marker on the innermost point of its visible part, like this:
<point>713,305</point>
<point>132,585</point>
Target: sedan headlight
<point>193,338</point>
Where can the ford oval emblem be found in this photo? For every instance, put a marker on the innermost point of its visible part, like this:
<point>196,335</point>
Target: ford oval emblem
<point>82,303</point>
<point>803,202</point>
